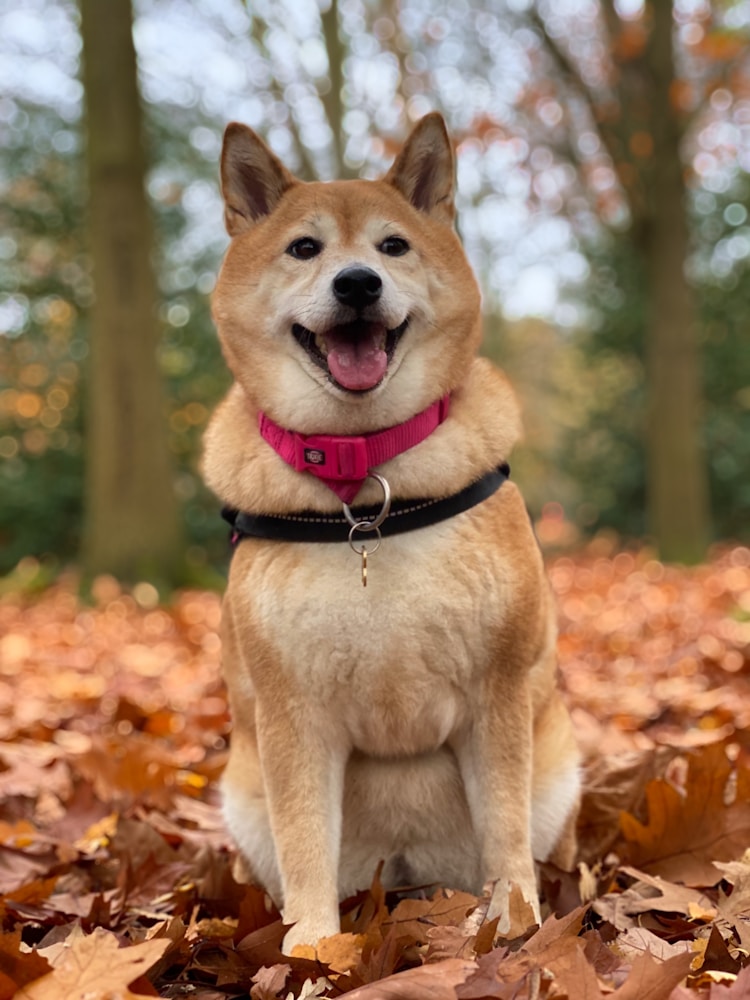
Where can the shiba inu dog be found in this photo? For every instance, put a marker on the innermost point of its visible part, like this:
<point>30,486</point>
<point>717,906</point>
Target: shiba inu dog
<point>414,720</point>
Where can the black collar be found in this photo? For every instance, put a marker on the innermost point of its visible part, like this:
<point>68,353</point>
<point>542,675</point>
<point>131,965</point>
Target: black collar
<point>405,515</point>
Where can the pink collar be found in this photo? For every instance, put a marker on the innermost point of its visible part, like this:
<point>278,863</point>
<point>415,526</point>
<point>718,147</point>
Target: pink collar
<point>343,463</point>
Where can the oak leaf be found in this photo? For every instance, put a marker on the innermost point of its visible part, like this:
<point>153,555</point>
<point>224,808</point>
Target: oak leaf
<point>687,830</point>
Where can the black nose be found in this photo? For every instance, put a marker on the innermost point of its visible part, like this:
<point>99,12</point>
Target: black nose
<point>357,287</point>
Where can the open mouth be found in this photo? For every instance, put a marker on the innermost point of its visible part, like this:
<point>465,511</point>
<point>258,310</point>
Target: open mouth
<point>356,355</point>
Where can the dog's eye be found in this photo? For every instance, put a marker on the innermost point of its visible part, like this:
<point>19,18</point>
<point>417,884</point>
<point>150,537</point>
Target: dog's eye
<point>304,248</point>
<point>394,246</point>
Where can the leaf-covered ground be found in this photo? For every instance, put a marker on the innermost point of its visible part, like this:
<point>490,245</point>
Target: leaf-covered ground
<point>116,874</point>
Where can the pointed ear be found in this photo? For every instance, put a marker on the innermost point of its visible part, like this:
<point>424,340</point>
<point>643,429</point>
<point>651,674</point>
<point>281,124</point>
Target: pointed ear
<point>253,179</point>
<point>424,171</point>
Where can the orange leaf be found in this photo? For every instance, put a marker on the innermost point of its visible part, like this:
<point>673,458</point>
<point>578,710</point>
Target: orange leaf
<point>687,831</point>
<point>96,968</point>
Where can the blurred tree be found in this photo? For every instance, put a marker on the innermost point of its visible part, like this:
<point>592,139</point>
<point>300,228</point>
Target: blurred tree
<point>44,288</point>
<point>333,87</point>
<point>640,119</point>
<point>132,523</point>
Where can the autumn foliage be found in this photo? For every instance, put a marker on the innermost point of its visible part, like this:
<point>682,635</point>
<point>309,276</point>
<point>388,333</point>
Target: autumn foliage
<point>116,873</point>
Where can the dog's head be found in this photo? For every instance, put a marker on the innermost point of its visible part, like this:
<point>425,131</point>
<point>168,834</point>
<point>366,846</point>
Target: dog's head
<point>346,306</point>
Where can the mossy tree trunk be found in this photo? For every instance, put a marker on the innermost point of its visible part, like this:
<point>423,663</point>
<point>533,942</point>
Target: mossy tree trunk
<point>132,520</point>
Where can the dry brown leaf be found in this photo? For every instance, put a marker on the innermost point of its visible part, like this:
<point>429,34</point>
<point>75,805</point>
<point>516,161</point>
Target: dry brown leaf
<point>16,967</point>
<point>269,982</point>
<point>437,981</point>
<point>115,716</point>
<point>414,917</point>
<point>650,979</point>
<point>640,941</point>
<point>576,976</point>
<point>650,893</point>
<point>739,989</point>
<point>554,934</point>
<point>340,952</point>
<point>95,968</point>
<point>520,913</point>
<point>688,830</point>
<point>450,942</point>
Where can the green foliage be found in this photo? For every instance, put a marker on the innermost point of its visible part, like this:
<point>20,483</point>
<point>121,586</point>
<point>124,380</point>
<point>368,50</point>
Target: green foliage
<point>45,292</point>
<point>606,457</point>
<point>725,313</point>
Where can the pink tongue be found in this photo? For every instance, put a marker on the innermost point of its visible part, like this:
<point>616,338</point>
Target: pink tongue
<point>356,364</point>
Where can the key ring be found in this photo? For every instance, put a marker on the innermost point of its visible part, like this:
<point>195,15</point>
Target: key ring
<point>382,515</point>
<point>366,525</point>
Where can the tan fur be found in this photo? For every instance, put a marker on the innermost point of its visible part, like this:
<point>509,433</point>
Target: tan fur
<point>416,721</point>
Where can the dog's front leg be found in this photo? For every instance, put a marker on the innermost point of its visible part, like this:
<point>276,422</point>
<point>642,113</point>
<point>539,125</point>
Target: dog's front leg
<point>495,760</point>
<point>303,771</point>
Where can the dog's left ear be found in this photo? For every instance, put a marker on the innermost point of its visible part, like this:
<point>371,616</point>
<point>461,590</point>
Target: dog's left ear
<point>424,171</point>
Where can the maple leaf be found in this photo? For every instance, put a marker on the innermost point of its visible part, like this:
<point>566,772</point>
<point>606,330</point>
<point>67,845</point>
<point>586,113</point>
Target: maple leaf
<point>95,968</point>
<point>687,830</point>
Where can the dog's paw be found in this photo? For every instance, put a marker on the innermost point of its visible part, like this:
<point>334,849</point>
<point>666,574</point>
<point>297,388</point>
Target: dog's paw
<point>517,908</point>
<point>301,940</point>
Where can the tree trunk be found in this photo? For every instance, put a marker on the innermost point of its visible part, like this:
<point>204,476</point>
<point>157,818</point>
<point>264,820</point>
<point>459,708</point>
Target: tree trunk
<point>333,100</point>
<point>677,482</point>
<point>132,522</point>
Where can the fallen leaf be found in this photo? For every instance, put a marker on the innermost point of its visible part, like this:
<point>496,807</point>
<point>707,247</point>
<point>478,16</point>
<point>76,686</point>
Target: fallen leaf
<point>414,917</point>
<point>437,981</point>
<point>640,941</point>
<point>95,968</point>
<point>650,979</point>
<point>17,966</point>
<point>687,830</point>
<point>269,982</point>
<point>341,952</point>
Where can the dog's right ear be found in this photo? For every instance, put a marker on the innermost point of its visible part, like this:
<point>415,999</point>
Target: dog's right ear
<point>253,179</point>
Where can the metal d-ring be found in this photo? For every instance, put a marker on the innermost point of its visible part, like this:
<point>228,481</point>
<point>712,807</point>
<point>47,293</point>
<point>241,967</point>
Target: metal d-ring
<point>364,524</point>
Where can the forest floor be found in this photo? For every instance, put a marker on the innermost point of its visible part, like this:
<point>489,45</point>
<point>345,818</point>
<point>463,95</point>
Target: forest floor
<point>116,873</point>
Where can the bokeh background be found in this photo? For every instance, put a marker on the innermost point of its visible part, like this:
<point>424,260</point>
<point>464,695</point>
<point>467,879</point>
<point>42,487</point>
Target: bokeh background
<point>603,156</point>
